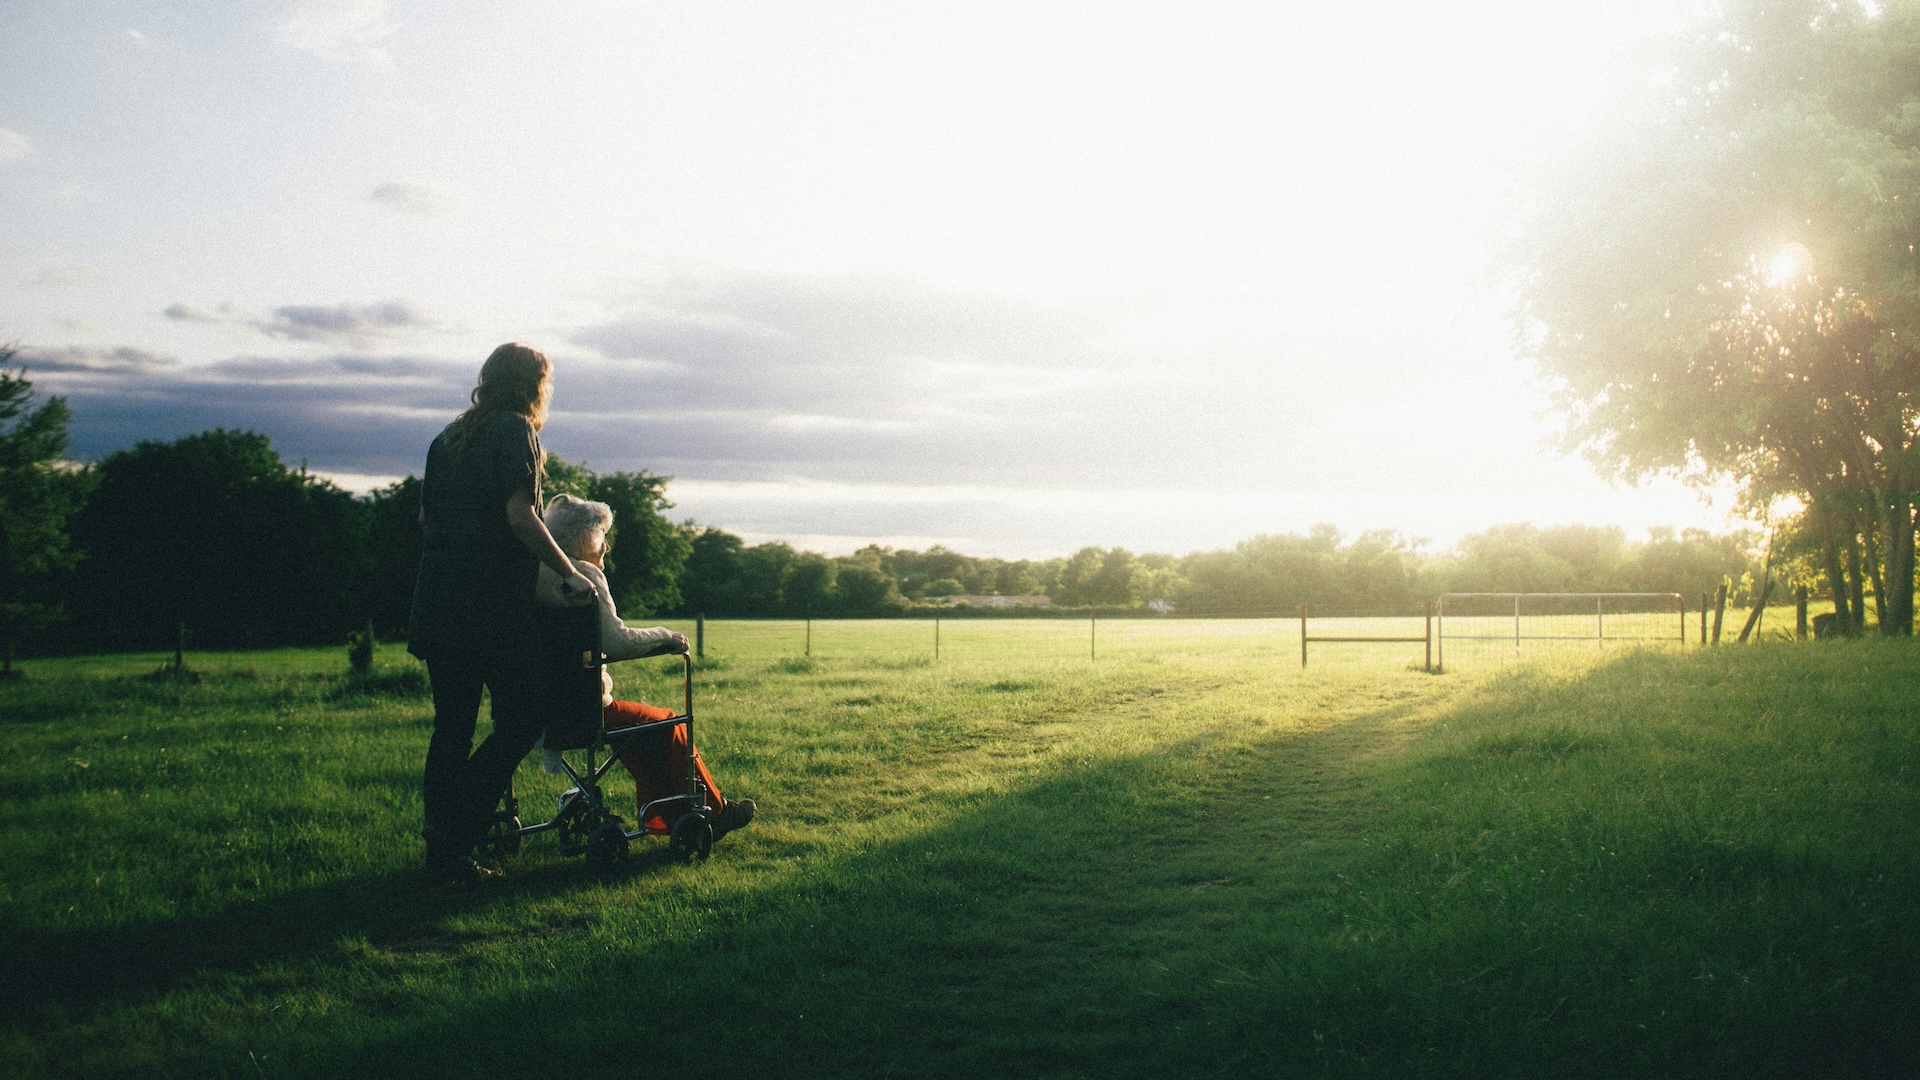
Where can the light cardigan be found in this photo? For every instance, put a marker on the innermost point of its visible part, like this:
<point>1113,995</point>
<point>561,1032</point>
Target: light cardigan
<point>618,640</point>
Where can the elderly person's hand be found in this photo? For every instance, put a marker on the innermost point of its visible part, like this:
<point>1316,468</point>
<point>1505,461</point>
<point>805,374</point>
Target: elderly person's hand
<point>677,644</point>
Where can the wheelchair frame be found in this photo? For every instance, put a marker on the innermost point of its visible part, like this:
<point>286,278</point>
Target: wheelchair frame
<point>583,820</point>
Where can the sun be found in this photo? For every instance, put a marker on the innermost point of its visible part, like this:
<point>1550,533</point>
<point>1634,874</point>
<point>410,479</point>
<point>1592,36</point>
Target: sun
<point>1790,264</point>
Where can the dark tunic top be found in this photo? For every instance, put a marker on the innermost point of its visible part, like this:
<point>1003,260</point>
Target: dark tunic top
<point>474,594</point>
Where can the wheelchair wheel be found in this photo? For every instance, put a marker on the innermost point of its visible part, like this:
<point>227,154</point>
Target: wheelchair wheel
<point>692,836</point>
<point>607,847</point>
<point>503,835</point>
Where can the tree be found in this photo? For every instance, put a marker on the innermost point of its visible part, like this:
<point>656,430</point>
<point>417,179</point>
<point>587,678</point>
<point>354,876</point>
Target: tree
<point>807,586</point>
<point>37,496</point>
<point>764,569</point>
<point>214,532</point>
<point>646,552</point>
<point>710,582</point>
<point>863,587</point>
<point>1075,585</point>
<point>1726,284</point>
<point>393,554</point>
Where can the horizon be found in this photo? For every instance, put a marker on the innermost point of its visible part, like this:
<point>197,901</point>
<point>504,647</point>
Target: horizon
<point>1013,280</point>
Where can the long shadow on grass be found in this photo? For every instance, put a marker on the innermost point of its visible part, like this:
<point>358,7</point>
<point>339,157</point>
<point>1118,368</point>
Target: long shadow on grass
<point>1157,915</point>
<point>49,978</point>
<point>1217,907</point>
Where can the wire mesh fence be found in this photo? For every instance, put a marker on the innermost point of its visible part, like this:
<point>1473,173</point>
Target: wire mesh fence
<point>1475,628</point>
<point>1460,630</point>
<point>1262,639</point>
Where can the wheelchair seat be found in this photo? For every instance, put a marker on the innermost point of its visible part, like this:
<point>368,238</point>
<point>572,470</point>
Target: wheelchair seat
<point>568,664</point>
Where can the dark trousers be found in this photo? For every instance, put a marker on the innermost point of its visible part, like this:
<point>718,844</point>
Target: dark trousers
<point>460,790</point>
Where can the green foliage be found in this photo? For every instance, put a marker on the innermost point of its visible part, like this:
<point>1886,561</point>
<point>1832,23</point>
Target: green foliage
<point>865,589</point>
<point>1374,573</point>
<point>944,587</point>
<point>360,648</point>
<point>392,554</point>
<point>1725,284</point>
<point>1092,577</point>
<point>711,583</point>
<point>808,585</point>
<point>561,477</point>
<point>1276,573</point>
<point>648,552</point>
<point>214,531</point>
<point>37,497</point>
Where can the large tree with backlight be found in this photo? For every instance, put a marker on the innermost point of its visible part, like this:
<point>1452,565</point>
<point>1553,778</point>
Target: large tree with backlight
<point>1724,282</point>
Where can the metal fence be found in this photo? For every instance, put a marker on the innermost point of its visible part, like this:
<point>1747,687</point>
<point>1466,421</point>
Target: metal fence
<point>1457,628</point>
<point>1475,624</point>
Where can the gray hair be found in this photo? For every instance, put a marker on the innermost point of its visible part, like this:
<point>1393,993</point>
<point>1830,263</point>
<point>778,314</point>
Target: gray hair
<point>572,521</point>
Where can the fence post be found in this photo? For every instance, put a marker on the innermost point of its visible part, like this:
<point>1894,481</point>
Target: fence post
<point>809,634</point>
<point>1303,635</point>
<point>1429,634</point>
<point>1800,613</point>
<point>1719,611</point>
<point>1758,614</point>
<point>1599,620</point>
<point>1516,622</point>
<point>700,636</point>
<point>180,650</point>
<point>1706,601</point>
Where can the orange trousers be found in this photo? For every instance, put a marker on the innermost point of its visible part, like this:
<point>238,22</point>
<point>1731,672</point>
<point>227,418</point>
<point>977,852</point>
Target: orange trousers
<point>657,760</point>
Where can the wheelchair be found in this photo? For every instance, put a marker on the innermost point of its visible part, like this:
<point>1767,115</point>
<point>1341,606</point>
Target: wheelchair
<point>570,659</point>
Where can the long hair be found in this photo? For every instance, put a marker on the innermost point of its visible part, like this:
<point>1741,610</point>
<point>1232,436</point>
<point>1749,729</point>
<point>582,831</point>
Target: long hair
<point>515,379</point>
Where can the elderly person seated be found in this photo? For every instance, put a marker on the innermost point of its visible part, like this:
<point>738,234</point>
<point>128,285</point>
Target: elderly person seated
<point>657,760</point>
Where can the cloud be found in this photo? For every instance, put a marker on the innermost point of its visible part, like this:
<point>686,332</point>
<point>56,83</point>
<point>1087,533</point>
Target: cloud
<point>353,323</point>
<point>138,38</point>
<point>13,145</point>
<point>63,276</point>
<point>341,31</point>
<point>734,377</point>
<point>342,322</point>
<point>864,379</point>
<point>849,345</point>
<point>184,312</point>
<point>423,200</point>
<point>85,359</point>
<point>351,414</point>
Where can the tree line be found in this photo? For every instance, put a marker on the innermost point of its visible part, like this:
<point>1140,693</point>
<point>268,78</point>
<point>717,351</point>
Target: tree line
<point>215,533</point>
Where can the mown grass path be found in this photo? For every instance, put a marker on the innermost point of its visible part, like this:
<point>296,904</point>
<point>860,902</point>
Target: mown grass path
<point>1187,859</point>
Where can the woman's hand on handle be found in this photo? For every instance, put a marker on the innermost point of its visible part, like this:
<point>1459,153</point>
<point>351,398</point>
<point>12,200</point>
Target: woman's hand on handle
<point>576,586</point>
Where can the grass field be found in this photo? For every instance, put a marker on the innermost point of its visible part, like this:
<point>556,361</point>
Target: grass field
<point>1188,857</point>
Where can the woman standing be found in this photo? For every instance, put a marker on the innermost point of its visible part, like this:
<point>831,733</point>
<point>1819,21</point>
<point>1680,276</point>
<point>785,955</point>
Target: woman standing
<point>472,619</point>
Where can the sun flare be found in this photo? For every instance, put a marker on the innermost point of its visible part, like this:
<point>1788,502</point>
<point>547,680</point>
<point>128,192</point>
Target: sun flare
<point>1790,264</point>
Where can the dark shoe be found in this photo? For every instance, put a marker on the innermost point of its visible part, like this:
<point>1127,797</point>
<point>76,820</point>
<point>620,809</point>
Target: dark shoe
<point>450,862</point>
<point>460,870</point>
<point>735,815</point>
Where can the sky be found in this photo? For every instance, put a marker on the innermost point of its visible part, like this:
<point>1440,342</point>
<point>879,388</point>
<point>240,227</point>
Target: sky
<point>1016,278</point>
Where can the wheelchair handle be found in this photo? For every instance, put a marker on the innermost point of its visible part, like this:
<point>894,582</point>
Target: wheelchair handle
<point>686,681</point>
